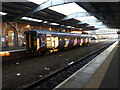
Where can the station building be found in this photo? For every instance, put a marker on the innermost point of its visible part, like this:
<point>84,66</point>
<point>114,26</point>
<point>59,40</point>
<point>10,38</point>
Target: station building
<point>13,33</point>
<point>94,65</point>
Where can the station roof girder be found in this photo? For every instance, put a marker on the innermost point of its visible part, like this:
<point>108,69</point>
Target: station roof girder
<point>108,13</point>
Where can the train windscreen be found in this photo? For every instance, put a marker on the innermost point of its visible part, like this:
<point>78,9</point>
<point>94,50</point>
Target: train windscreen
<point>31,41</point>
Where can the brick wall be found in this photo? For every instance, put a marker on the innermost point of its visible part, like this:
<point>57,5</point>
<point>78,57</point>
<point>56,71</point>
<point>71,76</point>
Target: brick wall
<point>19,28</point>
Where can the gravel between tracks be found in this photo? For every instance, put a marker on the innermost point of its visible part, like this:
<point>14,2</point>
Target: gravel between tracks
<point>29,70</point>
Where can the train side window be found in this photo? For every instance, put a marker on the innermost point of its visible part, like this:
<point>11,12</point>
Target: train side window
<point>86,39</point>
<point>74,38</point>
<point>43,38</point>
<point>68,38</point>
<point>65,38</point>
<point>48,38</point>
<point>60,38</point>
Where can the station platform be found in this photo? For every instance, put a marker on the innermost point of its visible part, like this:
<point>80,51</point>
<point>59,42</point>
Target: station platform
<point>101,72</point>
<point>13,48</point>
<point>8,50</point>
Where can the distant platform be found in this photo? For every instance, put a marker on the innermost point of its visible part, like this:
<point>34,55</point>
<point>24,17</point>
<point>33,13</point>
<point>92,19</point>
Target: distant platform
<point>13,48</point>
<point>6,51</point>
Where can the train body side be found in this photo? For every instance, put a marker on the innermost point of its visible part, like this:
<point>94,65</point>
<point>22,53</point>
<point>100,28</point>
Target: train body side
<point>37,41</point>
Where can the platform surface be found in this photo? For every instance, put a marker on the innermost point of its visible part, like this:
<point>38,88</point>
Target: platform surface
<point>12,49</point>
<point>111,77</point>
<point>92,74</point>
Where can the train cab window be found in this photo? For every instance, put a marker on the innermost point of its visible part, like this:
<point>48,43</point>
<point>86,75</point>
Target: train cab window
<point>35,38</point>
<point>48,38</point>
<point>43,38</point>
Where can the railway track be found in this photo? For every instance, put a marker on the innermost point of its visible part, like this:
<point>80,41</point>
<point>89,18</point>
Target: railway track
<point>54,79</point>
<point>17,56</point>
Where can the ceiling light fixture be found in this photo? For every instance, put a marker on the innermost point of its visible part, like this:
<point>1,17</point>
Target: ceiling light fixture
<point>31,19</point>
<point>45,22</point>
<point>69,26</point>
<point>54,24</point>
<point>86,19</point>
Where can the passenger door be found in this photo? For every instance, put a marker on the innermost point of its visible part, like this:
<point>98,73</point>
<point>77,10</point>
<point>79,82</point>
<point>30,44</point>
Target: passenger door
<point>75,41</point>
<point>31,40</point>
<point>55,42</point>
<point>49,42</point>
<point>66,41</point>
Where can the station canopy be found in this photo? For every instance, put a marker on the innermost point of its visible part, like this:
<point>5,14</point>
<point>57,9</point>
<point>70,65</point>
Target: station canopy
<point>65,14</point>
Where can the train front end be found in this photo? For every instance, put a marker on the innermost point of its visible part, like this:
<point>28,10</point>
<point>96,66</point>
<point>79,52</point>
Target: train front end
<point>31,41</point>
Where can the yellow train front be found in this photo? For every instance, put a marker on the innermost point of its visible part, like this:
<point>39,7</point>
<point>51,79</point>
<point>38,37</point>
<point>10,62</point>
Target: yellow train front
<point>35,41</point>
<point>31,41</point>
<point>39,41</point>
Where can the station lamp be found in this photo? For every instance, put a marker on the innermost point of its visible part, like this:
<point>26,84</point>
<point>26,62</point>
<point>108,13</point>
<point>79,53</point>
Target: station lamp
<point>31,19</point>
<point>50,29</point>
<point>64,30</point>
<point>28,26</point>
<point>45,22</point>
<point>54,24</point>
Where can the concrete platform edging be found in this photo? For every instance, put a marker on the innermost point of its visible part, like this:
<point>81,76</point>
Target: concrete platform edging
<point>81,77</point>
<point>97,78</point>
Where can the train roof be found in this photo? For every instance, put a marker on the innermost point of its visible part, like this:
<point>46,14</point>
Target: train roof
<point>59,33</point>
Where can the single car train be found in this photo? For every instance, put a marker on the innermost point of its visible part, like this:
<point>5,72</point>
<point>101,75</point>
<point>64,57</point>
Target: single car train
<point>38,41</point>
